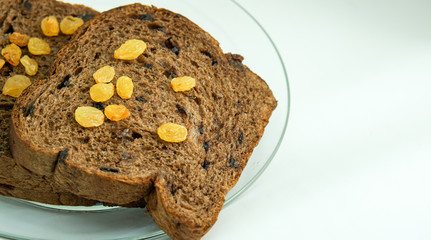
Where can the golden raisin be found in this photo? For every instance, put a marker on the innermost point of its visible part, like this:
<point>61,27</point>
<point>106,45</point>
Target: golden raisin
<point>116,112</point>
<point>102,92</point>
<point>50,26</point>
<point>70,24</point>
<point>171,132</point>
<point>2,62</point>
<point>130,50</point>
<point>181,84</point>
<point>12,54</point>
<point>89,116</point>
<point>38,46</point>
<point>15,85</point>
<point>104,74</point>
<point>30,65</point>
<point>19,39</point>
<point>125,87</point>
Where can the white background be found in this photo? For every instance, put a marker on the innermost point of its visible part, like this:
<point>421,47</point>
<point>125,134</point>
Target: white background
<point>356,159</point>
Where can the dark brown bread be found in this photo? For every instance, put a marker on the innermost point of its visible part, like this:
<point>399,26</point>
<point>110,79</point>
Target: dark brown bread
<point>50,197</point>
<point>24,16</point>
<point>185,183</point>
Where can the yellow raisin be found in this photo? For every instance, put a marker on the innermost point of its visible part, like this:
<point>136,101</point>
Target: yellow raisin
<point>50,26</point>
<point>181,84</point>
<point>89,116</point>
<point>2,62</point>
<point>102,92</point>
<point>38,46</point>
<point>171,132</point>
<point>104,74</point>
<point>19,39</point>
<point>116,112</point>
<point>15,85</point>
<point>12,54</point>
<point>70,24</point>
<point>125,87</point>
<point>30,65</point>
<point>130,50</point>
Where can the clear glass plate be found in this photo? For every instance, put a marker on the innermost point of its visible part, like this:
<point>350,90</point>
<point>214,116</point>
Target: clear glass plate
<point>238,32</point>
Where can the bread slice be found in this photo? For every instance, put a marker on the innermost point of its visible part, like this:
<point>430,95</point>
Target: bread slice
<point>184,183</point>
<point>24,16</point>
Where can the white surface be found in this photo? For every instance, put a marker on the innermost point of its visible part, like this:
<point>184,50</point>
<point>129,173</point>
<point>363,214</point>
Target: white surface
<point>355,163</point>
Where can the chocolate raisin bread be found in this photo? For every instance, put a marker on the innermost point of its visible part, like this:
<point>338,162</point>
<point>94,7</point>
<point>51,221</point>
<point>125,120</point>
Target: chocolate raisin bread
<point>184,183</point>
<point>25,16</point>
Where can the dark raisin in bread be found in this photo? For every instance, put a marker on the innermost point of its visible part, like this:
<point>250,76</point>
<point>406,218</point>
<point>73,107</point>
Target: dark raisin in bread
<point>185,183</point>
<point>25,16</point>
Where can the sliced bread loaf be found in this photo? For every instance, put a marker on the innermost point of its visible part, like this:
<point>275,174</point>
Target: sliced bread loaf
<point>25,16</point>
<point>184,183</point>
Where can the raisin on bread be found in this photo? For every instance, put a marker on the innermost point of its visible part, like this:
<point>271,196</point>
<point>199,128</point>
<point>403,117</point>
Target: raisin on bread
<point>184,183</point>
<point>25,16</point>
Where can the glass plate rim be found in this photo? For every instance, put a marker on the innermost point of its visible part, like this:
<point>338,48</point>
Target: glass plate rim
<point>160,233</point>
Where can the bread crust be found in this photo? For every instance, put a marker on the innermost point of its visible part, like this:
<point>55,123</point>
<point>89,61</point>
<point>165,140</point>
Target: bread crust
<point>88,184</point>
<point>49,197</point>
